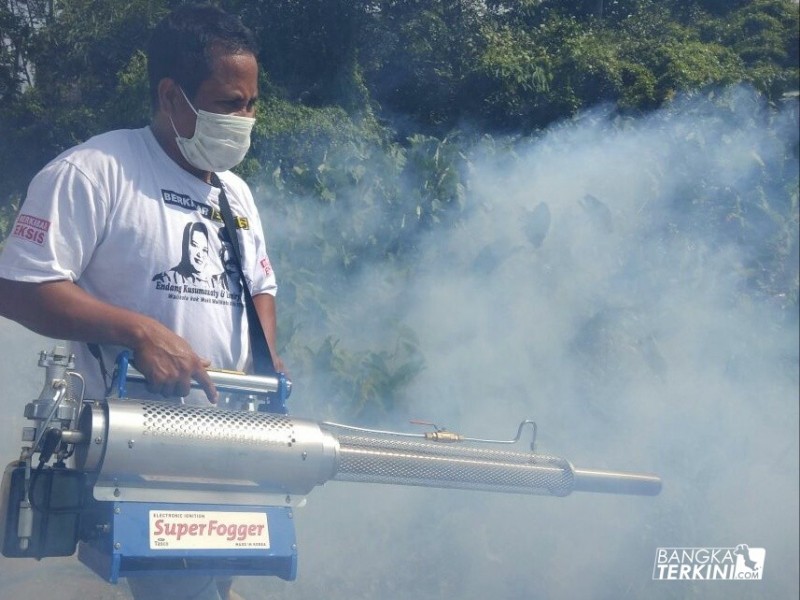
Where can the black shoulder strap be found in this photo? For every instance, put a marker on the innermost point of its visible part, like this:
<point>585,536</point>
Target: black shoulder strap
<point>262,359</point>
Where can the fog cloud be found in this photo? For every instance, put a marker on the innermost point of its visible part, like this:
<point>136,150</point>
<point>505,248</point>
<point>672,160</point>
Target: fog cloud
<point>587,287</point>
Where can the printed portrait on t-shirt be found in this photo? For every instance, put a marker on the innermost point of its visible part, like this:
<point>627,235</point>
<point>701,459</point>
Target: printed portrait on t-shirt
<point>207,270</point>
<point>194,266</point>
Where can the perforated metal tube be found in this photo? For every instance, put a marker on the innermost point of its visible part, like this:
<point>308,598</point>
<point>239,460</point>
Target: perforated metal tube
<point>155,451</point>
<point>381,457</point>
<point>399,461</point>
<point>158,451</point>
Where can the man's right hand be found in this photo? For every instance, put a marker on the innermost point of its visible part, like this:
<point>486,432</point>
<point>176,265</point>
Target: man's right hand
<point>62,310</point>
<point>169,364</point>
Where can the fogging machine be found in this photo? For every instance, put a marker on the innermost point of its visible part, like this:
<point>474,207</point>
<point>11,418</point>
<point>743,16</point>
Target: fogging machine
<point>141,487</point>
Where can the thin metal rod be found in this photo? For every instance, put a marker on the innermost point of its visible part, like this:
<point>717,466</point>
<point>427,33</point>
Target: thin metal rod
<point>425,436</point>
<point>367,430</point>
<point>61,389</point>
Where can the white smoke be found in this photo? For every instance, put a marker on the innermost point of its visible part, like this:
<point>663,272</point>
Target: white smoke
<point>584,292</point>
<point>581,290</point>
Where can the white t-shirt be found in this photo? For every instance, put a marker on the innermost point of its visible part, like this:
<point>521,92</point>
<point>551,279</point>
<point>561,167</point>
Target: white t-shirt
<point>123,221</point>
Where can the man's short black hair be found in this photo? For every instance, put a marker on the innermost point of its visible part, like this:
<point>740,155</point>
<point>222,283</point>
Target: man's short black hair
<point>182,46</point>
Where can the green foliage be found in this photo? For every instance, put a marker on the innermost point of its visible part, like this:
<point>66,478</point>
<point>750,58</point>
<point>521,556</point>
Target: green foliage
<point>362,385</point>
<point>87,49</point>
<point>130,99</point>
<point>765,35</point>
<point>417,57</point>
<point>309,47</point>
<point>311,167</point>
<point>77,72</point>
<point>373,109</point>
<point>509,75</point>
<point>758,212</point>
<point>515,65</point>
<point>7,214</point>
<point>321,162</point>
<point>435,178</point>
<point>637,58</point>
<point>694,65</point>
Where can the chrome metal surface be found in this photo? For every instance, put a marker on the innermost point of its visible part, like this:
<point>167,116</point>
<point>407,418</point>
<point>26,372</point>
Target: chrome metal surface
<point>616,482</point>
<point>399,461</point>
<point>158,451</point>
<point>60,387</point>
<point>93,424</point>
<point>173,452</point>
<point>226,381</point>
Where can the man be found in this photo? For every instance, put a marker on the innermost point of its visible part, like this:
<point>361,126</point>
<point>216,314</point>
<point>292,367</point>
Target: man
<point>104,219</point>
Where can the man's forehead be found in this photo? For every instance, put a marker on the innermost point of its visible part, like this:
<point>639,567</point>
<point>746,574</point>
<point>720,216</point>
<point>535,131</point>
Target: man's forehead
<point>218,53</point>
<point>235,69</point>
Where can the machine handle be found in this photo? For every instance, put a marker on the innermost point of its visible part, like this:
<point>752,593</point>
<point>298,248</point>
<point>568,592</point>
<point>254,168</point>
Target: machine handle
<point>225,381</point>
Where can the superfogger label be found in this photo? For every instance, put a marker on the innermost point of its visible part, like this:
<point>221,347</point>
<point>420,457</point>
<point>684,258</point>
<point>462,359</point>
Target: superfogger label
<point>208,530</point>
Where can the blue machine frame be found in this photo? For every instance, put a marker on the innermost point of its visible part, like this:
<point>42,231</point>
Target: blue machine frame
<point>125,548</point>
<point>123,544</point>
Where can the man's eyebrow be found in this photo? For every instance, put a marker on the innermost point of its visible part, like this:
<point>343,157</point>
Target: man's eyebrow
<point>237,97</point>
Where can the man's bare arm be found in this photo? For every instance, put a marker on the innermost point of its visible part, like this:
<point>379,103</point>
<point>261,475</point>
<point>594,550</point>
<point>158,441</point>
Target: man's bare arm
<point>60,309</point>
<point>265,307</point>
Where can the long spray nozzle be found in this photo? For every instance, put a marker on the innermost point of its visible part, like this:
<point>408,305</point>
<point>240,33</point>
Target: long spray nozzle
<point>159,450</point>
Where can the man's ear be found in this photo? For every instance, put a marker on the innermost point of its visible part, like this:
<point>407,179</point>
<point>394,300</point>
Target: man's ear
<point>169,94</point>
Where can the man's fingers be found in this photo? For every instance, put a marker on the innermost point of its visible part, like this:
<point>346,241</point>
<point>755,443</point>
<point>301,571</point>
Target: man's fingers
<point>182,387</point>
<point>170,388</point>
<point>173,379</point>
<point>277,362</point>
<point>203,378</point>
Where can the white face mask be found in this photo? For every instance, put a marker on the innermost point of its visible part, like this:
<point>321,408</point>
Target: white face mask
<point>219,142</point>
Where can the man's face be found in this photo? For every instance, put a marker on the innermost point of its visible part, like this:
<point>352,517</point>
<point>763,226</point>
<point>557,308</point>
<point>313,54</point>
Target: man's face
<point>231,89</point>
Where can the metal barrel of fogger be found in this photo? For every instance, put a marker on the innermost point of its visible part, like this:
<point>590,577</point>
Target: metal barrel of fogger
<point>398,460</point>
<point>157,451</point>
